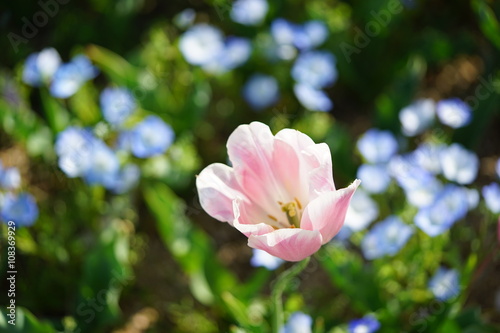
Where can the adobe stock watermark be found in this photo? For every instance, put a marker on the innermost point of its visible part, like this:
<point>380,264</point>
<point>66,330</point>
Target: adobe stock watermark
<point>11,272</point>
<point>49,9</point>
<point>372,29</point>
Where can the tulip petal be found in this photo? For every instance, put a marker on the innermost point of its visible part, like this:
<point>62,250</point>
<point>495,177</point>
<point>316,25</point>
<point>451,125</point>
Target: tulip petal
<point>289,171</point>
<point>296,139</point>
<point>243,223</point>
<point>319,163</point>
<point>288,244</point>
<point>217,189</point>
<point>250,149</point>
<point>326,213</point>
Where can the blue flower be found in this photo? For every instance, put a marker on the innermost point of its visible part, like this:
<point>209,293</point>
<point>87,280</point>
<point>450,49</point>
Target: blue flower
<point>312,99</point>
<point>459,164</point>
<point>20,208</point>
<point>377,146</point>
<point>261,91</point>
<point>420,185</point>
<point>298,323</point>
<point>311,35</point>
<point>315,68</point>
<point>125,179</point>
<point>305,37</point>
<point>450,205</point>
<point>417,117</point>
<point>10,178</point>
<point>422,189</point>
<point>454,112</point>
<point>236,52</point>
<point>283,32</point>
<point>249,12</point>
<point>151,137</point>
<point>71,76</point>
<point>374,177</point>
<point>201,44</point>
<point>74,148</point>
<point>386,238</point>
<point>444,284</point>
<point>40,67</point>
<point>427,156</point>
<point>185,18</point>
<point>117,105</point>
<point>491,194</point>
<point>367,324</point>
<point>261,258</point>
<point>472,197</point>
<point>103,165</point>
<point>362,211</point>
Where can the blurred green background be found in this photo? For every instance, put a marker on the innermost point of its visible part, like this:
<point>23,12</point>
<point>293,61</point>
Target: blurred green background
<point>161,263</point>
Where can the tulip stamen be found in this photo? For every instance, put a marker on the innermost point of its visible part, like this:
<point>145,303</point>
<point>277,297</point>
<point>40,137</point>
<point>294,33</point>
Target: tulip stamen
<point>272,218</point>
<point>292,215</point>
<point>298,203</point>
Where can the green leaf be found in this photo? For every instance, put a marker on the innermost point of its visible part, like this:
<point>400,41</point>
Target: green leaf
<point>189,245</point>
<point>487,21</point>
<point>117,68</point>
<point>56,113</point>
<point>106,271</point>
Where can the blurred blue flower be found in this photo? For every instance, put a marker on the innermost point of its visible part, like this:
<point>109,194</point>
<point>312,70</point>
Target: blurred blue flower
<point>283,32</point>
<point>420,185</point>
<point>20,208</point>
<point>311,98</point>
<point>377,146</point>
<point>71,76</point>
<point>422,193</point>
<point>417,117</point>
<point>103,165</point>
<point>249,12</point>
<point>74,148</point>
<point>472,197</point>
<point>40,67</point>
<point>491,194</point>
<point>261,258</point>
<point>298,322</point>
<point>201,44</point>
<point>117,105</point>
<point>310,35</point>
<point>362,211</point>
<point>236,52</point>
<point>261,91</point>
<point>151,137</point>
<point>427,156</point>
<point>315,68</point>
<point>185,18</point>
<point>454,112</point>
<point>374,177</point>
<point>367,324</point>
<point>450,205</point>
<point>305,37</point>
<point>385,238</point>
<point>10,178</point>
<point>444,284</point>
<point>459,164</point>
<point>125,179</point>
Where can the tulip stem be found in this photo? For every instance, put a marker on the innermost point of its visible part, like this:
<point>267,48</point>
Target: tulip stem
<point>279,287</point>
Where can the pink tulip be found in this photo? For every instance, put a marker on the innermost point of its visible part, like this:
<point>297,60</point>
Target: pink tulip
<point>279,193</point>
